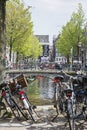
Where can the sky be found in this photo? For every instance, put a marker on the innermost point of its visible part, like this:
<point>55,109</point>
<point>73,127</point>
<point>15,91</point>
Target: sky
<point>48,16</point>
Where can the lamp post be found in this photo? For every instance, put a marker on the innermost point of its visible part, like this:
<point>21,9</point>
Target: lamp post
<point>82,57</point>
<point>79,51</point>
<point>71,57</point>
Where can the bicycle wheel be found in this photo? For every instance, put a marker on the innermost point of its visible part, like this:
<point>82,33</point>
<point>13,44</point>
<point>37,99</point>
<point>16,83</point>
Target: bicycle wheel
<point>72,125</point>
<point>25,107</point>
<point>3,109</point>
<point>31,108</point>
<point>58,100</point>
<point>70,114</point>
<point>17,112</point>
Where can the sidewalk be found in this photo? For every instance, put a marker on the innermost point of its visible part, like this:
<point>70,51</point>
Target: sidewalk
<point>38,126</point>
<point>43,121</point>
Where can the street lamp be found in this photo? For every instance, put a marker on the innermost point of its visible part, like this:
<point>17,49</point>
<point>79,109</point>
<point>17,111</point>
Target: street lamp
<point>79,51</point>
<point>71,51</point>
<point>82,57</point>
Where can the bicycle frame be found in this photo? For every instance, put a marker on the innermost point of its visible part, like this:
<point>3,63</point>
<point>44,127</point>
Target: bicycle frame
<point>21,93</point>
<point>24,103</point>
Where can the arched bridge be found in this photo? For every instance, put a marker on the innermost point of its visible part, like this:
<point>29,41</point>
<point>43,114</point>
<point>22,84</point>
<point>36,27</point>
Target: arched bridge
<point>13,73</point>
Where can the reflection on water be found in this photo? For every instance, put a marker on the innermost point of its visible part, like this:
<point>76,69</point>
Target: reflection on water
<point>40,91</point>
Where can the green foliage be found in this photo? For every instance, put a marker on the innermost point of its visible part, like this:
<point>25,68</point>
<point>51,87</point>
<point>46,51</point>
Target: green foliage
<point>72,33</point>
<point>32,47</point>
<point>19,29</point>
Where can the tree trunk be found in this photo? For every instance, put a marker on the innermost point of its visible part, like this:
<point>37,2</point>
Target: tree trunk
<point>68,61</point>
<point>2,35</point>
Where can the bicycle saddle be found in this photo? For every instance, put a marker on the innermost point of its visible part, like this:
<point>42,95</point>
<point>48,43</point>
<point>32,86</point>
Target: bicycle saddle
<point>59,78</point>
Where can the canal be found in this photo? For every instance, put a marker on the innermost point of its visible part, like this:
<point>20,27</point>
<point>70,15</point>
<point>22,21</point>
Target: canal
<point>40,90</point>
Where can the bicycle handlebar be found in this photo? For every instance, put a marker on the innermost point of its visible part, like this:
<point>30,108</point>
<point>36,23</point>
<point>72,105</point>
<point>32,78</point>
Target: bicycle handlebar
<point>67,74</point>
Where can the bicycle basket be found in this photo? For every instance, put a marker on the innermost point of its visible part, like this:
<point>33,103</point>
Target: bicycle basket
<point>22,80</point>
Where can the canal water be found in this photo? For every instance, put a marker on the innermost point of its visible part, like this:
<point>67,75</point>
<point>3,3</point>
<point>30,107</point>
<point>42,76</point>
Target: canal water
<point>40,91</point>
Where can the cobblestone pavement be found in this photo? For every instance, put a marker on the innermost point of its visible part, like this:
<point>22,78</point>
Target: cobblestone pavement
<point>44,117</point>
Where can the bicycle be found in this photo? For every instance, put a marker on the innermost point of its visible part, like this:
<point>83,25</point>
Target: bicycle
<point>58,95</point>
<point>21,97</point>
<point>10,101</point>
<point>78,100</point>
<point>3,110</point>
<point>83,113</point>
<point>65,101</point>
<point>23,101</point>
<point>70,109</point>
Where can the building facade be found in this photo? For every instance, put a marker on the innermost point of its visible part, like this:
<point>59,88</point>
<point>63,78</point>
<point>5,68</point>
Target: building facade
<point>56,56</point>
<point>44,40</point>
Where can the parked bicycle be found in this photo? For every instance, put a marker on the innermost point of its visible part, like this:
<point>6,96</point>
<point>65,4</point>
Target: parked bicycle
<point>10,101</point>
<point>16,98</point>
<point>65,99</point>
<point>58,95</point>
<point>3,109</point>
<point>23,101</point>
<point>76,99</point>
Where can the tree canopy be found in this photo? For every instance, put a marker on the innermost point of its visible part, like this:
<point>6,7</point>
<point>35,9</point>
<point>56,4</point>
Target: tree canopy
<point>19,29</point>
<point>72,33</point>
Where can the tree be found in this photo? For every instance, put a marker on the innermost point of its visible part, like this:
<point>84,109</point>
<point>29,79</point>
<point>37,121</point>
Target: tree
<point>20,36</point>
<point>18,24</point>
<point>35,48</point>
<point>72,33</point>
